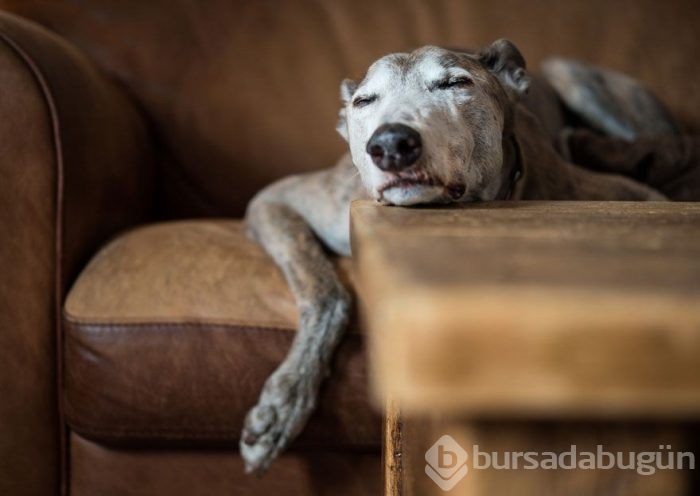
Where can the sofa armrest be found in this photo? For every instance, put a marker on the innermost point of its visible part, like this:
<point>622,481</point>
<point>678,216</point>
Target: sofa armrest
<point>76,165</point>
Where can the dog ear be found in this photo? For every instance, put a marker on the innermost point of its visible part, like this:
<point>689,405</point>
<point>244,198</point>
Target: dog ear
<point>342,125</point>
<point>347,90</point>
<point>504,60</point>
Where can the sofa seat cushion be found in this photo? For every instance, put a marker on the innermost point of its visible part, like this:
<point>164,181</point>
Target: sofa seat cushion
<point>171,331</point>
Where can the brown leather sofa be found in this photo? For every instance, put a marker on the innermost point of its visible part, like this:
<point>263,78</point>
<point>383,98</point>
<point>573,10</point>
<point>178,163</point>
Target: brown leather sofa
<point>132,342</point>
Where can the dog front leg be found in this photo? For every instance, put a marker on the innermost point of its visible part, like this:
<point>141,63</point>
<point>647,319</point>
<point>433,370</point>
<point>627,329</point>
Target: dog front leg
<point>289,395</point>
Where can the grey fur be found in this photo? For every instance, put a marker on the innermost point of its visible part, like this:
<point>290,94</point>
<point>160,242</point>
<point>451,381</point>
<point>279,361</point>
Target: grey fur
<point>607,100</point>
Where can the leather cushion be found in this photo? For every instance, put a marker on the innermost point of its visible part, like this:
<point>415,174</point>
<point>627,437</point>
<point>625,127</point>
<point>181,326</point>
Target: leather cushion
<point>171,331</point>
<point>98,470</point>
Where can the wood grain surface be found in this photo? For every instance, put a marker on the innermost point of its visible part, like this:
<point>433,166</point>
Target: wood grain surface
<point>532,327</point>
<point>565,309</point>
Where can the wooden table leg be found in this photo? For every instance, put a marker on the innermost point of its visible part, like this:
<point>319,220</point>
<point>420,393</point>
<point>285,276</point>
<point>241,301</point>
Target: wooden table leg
<point>392,450</point>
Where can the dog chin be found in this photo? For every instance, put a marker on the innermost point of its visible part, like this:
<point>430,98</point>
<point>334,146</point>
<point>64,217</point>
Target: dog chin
<point>413,195</point>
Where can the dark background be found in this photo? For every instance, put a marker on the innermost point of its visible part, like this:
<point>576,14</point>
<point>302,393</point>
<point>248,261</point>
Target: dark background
<point>242,92</point>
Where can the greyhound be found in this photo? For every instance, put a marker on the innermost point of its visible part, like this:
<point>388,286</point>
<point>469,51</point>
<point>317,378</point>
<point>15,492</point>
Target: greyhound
<point>431,126</point>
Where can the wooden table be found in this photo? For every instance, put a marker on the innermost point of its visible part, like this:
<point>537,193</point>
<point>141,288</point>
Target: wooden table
<point>532,326</point>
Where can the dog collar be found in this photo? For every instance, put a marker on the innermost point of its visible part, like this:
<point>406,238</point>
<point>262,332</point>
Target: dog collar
<point>517,178</point>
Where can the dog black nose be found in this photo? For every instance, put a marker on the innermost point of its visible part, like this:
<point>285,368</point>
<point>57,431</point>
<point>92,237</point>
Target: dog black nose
<point>394,147</point>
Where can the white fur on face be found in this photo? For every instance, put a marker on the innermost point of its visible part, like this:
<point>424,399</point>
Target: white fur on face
<point>460,128</point>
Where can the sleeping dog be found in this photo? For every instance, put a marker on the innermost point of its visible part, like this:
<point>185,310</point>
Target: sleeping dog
<point>431,126</point>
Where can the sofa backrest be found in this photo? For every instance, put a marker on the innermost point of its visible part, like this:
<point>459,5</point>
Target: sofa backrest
<point>243,92</point>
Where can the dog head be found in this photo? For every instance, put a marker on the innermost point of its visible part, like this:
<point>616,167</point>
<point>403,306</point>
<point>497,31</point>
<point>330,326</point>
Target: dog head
<point>428,126</point>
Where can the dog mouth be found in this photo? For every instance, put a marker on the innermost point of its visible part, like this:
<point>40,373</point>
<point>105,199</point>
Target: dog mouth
<point>412,179</point>
<point>408,180</point>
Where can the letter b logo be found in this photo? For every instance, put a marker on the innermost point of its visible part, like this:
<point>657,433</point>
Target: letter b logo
<point>446,463</point>
<point>442,454</point>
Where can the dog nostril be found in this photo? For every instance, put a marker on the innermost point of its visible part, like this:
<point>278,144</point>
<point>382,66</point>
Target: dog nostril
<point>376,151</point>
<point>408,145</point>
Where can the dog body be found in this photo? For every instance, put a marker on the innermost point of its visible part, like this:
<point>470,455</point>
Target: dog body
<point>432,126</point>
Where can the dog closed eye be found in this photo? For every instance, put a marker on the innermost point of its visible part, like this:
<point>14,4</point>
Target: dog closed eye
<point>363,101</point>
<point>452,83</point>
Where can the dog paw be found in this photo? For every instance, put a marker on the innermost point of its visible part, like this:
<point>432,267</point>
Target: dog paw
<point>284,406</point>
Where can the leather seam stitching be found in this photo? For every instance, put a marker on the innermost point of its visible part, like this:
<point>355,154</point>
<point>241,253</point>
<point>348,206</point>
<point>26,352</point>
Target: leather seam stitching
<point>136,326</point>
<point>211,434</point>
